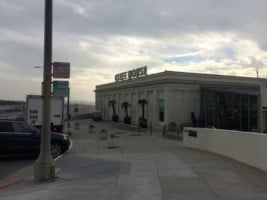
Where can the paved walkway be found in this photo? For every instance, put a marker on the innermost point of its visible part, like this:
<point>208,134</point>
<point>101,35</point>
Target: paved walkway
<point>143,168</point>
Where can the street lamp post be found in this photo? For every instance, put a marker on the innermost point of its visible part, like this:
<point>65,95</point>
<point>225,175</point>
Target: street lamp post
<point>44,167</point>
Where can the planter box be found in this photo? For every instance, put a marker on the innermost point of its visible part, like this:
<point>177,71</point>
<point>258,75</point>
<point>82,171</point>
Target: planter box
<point>91,129</point>
<point>103,134</point>
<point>113,141</point>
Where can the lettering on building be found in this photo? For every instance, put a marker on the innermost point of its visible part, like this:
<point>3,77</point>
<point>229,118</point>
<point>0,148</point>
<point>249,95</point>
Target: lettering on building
<point>132,74</point>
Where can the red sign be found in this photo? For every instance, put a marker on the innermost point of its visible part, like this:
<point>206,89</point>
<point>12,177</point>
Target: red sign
<point>61,70</point>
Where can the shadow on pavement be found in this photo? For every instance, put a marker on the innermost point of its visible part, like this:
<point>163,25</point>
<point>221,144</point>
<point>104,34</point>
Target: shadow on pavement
<point>86,166</point>
<point>11,165</point>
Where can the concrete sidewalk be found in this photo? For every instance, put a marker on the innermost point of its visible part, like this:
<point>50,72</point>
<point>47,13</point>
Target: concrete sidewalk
<point>143,168</point>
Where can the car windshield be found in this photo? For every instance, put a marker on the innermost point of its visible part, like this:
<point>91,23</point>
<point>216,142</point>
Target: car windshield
<point>24,128</point>
<point>36,130</point>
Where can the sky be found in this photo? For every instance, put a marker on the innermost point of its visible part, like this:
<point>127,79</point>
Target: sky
<point>101,38</point>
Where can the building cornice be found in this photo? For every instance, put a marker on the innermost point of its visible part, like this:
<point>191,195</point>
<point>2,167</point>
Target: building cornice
<point>171,77</point>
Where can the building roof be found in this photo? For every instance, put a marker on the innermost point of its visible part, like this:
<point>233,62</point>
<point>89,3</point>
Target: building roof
<point>170,77</point>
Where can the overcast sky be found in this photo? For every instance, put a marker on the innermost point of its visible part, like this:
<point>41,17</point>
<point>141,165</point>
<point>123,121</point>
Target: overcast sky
<point>103,37</point>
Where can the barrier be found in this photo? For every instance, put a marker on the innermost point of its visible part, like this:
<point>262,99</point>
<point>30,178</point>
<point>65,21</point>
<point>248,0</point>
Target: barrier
<point>247,147</point>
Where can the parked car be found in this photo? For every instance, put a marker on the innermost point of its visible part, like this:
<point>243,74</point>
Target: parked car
<point>21,139</point>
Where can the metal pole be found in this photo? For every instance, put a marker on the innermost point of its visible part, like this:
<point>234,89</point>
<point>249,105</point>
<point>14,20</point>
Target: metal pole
<point>68,110</point>
<point>44,167</point>
<point>150,128</point>
<point>68,105</point>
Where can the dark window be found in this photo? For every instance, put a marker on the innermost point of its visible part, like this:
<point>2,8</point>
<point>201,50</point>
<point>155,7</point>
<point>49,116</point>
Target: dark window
<point>22,128</point>
<point>253,120</point>
<point>6,127</point>
<point>161,110</point>
<point>192,133</point>
<point>253,103</point>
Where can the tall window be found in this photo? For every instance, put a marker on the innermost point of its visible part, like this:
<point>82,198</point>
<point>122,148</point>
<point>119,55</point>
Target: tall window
<point>161,110</point>
<point>230,110</point>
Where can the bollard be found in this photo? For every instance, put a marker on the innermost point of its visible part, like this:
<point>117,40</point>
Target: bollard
<point>113,141</point>
<point>91,128</point>
<point>150,128</point>
<point>103,134</point>
<point>76,125</point>
<point>164,129</point>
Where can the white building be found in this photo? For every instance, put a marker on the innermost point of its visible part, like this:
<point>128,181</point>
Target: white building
<point>226,102</point>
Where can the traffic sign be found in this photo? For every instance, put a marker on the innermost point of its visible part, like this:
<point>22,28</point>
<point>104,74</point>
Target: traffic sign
<point>61,88</point>
<point>61,70</point>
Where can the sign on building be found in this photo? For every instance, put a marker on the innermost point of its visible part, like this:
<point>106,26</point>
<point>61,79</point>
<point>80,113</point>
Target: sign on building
<point>61,70</point>
<point>132,74</point>
<point>61,88</point>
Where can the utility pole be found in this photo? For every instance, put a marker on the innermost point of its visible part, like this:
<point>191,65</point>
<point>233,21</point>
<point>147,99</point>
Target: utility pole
<point>44,167</point>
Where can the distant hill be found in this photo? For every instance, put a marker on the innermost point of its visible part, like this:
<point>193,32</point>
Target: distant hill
<point>81,102</point>
<point>7,102</point>
<point>82,108</point>
<point>78,102</point>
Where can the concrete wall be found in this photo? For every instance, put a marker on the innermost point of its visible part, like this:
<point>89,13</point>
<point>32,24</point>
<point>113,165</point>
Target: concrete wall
<point>183,99</point>
<point>246,147</point>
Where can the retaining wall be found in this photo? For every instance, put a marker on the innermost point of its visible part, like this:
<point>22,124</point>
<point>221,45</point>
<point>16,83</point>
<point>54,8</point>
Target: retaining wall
<point>246,147</point>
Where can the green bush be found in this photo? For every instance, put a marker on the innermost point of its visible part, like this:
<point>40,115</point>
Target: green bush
<point>115,118</point>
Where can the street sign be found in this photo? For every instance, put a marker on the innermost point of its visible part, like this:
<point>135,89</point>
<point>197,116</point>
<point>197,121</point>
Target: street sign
<point>61,88</point>
<point>61,70</point>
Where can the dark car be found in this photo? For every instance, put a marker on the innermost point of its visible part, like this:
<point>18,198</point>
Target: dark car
<point>21,139</point>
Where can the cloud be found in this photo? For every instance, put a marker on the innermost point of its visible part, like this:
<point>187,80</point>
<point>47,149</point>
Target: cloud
<point>102,38</point>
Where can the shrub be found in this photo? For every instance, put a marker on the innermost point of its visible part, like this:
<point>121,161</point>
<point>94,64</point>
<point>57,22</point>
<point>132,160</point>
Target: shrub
<point>142,122</point>
<point>115,118</point>
<point>127,120</point>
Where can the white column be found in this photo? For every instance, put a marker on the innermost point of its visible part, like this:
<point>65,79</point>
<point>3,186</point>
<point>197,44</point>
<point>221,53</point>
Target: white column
<point>146,106</point>
<point>166,106</point>
<point>156,110</point>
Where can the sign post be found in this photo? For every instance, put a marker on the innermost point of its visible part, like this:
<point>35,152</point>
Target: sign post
<point>61,70</point>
